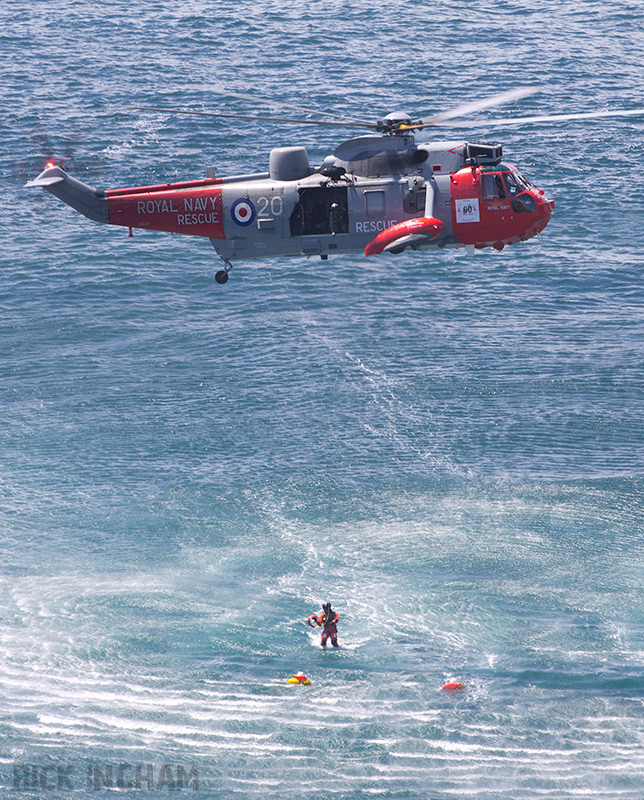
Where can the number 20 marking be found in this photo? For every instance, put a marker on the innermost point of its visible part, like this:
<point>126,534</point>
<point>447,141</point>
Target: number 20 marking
<point>276,204</point>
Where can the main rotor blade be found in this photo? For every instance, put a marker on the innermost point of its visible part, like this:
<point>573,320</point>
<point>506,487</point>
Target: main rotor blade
<point>280,104</point>
<point>495,123</point>
<point>479,105</point>
<point>370,125</point>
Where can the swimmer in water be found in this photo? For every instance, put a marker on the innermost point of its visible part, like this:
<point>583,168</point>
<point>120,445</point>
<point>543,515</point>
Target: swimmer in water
<point>329,619</point>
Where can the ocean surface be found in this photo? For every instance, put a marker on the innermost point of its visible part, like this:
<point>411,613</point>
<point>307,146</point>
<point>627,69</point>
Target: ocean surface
<point>448,447</point>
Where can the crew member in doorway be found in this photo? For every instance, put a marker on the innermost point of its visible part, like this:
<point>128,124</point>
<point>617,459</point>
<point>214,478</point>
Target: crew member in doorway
<point>329,619</point>
<point>337,219</point>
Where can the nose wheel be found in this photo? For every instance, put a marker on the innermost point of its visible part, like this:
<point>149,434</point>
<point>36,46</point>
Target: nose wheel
<point>222,275</point>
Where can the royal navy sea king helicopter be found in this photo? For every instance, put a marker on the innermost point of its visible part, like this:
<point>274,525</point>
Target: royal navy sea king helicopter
<point>378,193</point>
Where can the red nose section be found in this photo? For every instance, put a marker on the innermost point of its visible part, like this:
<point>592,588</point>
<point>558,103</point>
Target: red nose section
<point>419,226</point>
<point>545,207</point>
<point>493,208</point>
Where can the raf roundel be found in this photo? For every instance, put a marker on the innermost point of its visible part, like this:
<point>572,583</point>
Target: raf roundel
<point>242,211</point>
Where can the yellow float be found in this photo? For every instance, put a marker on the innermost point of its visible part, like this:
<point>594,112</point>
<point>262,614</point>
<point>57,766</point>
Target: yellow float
<point>301,679</point>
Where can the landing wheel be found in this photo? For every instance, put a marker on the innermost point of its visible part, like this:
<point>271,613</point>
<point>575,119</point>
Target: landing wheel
<point>222,276</point>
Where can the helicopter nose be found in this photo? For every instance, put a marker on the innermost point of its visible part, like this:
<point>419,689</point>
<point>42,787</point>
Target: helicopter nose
<point>541,198</point>
<point>546,203</point>
<point>545,207</point>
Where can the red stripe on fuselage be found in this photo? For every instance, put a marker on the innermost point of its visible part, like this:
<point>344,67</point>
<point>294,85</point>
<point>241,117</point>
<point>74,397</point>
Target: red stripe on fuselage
<point>193,208</point>
<point>162,187</point>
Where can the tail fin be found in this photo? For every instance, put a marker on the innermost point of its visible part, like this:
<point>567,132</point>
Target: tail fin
<point>88,201</point>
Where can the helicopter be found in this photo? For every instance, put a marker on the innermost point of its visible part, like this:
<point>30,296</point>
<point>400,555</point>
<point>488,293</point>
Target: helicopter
<point>379,192</point>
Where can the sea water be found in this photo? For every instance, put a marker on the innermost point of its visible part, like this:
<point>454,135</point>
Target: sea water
<point>448,447</point>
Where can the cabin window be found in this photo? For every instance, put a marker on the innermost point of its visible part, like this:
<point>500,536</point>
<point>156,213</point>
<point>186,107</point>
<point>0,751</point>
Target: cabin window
<point>374,203</point>
<point>414,202</point>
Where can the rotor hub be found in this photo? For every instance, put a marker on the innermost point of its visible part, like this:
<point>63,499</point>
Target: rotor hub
<point>394,121</point>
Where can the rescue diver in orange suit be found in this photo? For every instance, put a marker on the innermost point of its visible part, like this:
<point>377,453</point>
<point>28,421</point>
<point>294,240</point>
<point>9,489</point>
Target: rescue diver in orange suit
<point>329,618</point>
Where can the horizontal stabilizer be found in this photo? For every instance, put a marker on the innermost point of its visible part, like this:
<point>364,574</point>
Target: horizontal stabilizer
<point>86,199</point>
<point>40,181</point>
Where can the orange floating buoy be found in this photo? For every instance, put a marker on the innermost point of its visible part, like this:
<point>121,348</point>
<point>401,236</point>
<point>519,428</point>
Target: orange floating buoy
<point>301,679</point>
<point>453,687</point>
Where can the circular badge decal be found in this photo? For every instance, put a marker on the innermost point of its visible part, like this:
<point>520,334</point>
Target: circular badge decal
<point>242,211</point>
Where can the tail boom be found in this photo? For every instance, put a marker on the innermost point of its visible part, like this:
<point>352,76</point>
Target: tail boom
<point>189,207</point>
<point>85,199</point>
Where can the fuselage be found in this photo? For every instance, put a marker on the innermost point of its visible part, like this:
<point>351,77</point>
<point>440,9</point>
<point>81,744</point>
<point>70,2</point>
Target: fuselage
<point>372,187</point>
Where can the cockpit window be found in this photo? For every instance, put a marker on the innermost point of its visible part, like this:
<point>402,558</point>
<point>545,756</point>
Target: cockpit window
<point>521,180</point>
<point>514,186</point>
<point>493,188</point>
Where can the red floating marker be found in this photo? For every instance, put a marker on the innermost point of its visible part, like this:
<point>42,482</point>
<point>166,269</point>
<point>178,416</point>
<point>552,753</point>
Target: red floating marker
<point>453,687</point>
